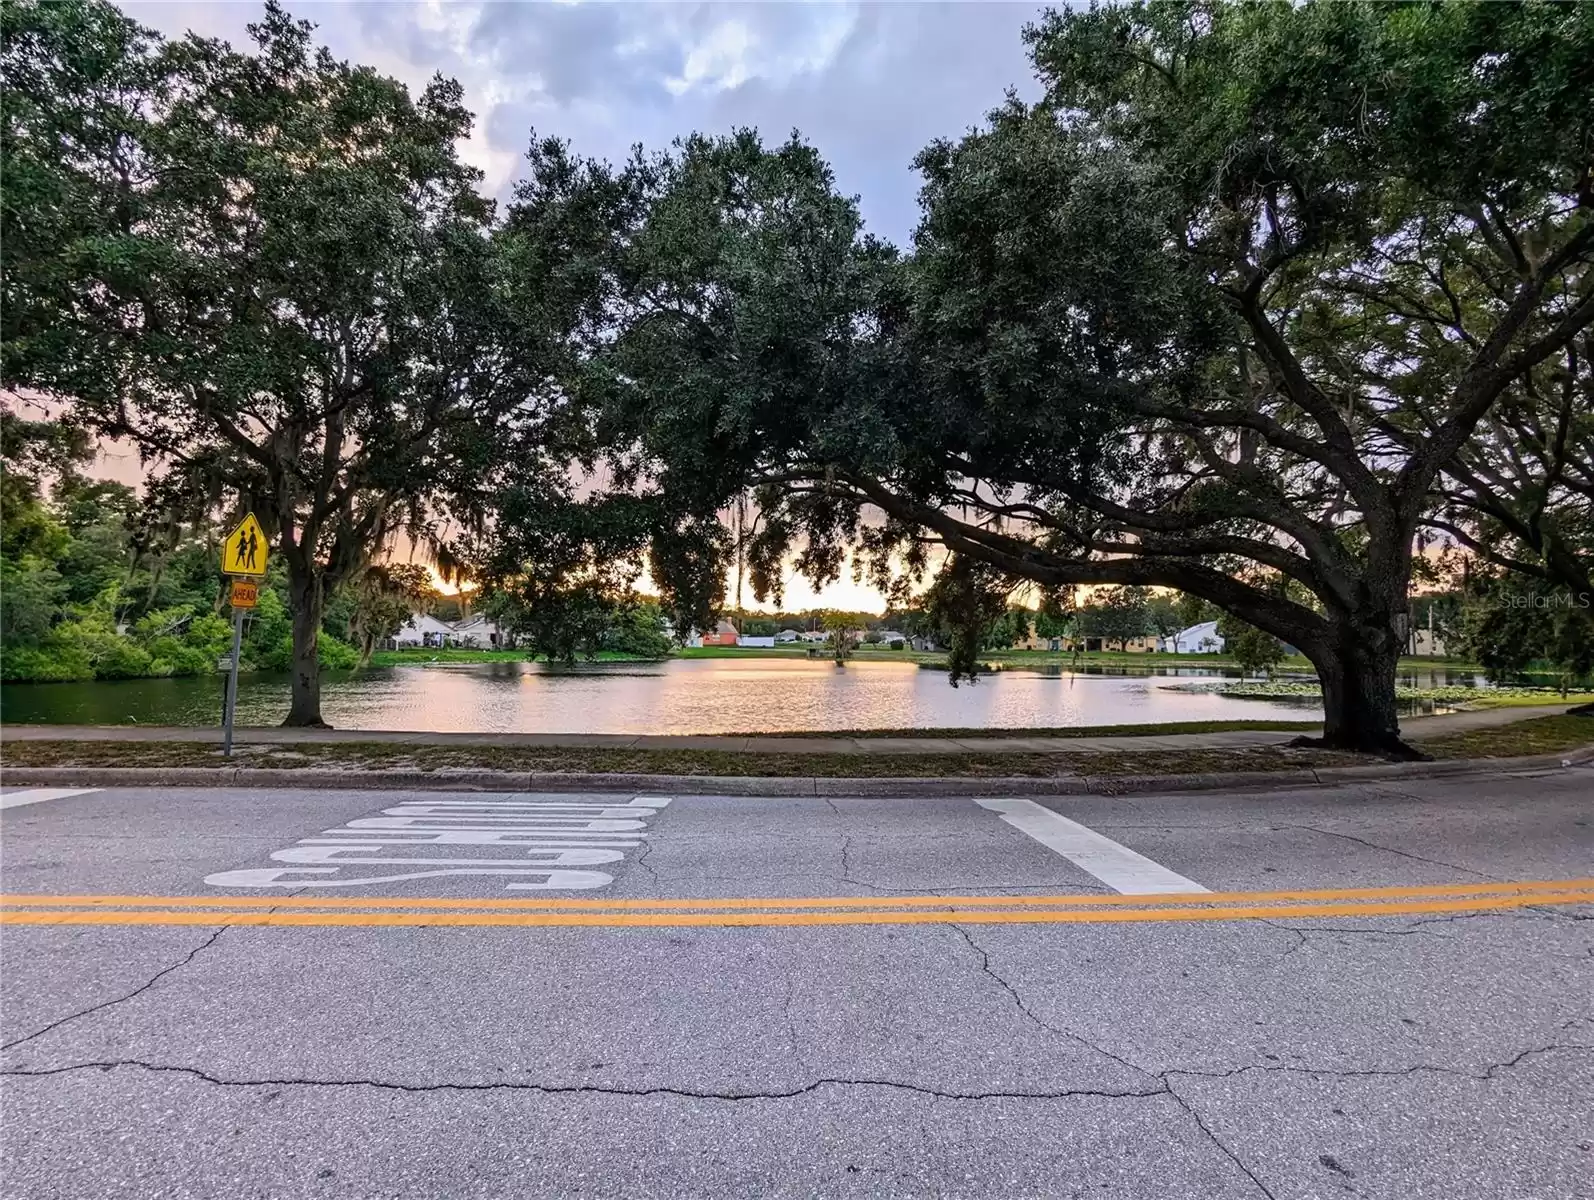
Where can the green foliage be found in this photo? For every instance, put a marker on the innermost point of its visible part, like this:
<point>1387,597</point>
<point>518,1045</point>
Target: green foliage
<point>966,601</point>
<point>58,662</point>
<point>382,599</point>
<point>637,630</point>
<point>31,596</point>
<point>69,572</point>
<point>271,270</point>
<point>1163,615</point>
<point>1221,304</point>
<point>1508,625</point>
<point>841,628</point>
<point>1116,615</point>
<point>1193,610</point>
<point>1012,627</point>
<point>1252,649</point>
<point>1053,621</point>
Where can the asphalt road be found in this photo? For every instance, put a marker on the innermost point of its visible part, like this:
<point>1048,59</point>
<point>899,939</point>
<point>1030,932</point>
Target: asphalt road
<point>1382,992</point>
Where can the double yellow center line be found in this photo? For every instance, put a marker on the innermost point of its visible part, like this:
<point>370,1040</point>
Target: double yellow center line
<point>387,911</point>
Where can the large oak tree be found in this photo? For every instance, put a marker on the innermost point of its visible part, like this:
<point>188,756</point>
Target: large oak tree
<point>272,272</point>
<point>1218,314</point>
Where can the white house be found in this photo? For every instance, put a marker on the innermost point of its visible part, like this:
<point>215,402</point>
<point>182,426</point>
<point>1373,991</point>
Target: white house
<point>479,633</point>
<point>788,635</point>
<point>424,630</point>
<point>1198,639</point>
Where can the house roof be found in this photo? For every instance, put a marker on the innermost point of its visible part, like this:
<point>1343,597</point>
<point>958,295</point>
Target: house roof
<point>425,623</point>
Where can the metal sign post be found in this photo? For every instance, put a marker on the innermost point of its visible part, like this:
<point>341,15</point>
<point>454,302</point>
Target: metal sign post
<point>232,682</point>
<point>242,554</point>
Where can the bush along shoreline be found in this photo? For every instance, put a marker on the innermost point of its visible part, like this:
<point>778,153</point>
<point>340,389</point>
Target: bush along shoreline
<point>178,641</point>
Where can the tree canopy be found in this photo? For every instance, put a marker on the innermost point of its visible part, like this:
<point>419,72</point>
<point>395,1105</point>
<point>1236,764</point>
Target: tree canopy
<point>272,272</point>
<point>1253,303</point>
<point>1220,310</point>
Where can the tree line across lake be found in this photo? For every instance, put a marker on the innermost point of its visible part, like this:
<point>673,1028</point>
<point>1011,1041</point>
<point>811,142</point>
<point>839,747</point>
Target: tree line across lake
<point>1274,305</point>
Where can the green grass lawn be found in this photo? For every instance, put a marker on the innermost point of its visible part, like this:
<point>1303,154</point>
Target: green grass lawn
<point>1542,735</point>
<point>1048,731</point>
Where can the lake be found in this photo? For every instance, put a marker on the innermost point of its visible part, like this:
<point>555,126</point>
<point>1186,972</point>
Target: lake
<point>678,696</point>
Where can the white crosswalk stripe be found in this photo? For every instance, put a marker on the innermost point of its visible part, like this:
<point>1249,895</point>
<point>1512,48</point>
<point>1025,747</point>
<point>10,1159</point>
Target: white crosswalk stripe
<point>1119,867</point>
<point>40,795</point>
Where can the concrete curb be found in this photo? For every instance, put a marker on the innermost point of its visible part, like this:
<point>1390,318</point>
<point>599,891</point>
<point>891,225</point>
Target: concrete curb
<point>755,785</point>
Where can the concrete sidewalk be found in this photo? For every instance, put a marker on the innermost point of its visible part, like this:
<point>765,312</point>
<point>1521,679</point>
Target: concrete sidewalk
<point>1416,728</point>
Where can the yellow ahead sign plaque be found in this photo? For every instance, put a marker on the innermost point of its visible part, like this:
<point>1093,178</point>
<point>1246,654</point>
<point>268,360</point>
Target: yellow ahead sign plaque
<point>244,552</point>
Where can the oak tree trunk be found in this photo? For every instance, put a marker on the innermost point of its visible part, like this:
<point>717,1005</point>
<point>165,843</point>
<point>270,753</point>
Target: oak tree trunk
<point>306,599</point>
<point>1357,671</point>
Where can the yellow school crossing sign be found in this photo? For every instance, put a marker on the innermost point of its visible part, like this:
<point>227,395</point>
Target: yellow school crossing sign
<point>242,554</point>
<point>244,551</point>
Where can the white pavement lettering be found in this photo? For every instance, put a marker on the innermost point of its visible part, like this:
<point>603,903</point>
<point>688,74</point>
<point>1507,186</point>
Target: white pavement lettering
<point>551,825</point>
<point>1119,867</point>
<point>472,837</point>
<point>545,835</point>
<point>275,877</point>
<point>349,854</point>
<point>628,809</point>
<point>40,795</point>
<point>496,813</point>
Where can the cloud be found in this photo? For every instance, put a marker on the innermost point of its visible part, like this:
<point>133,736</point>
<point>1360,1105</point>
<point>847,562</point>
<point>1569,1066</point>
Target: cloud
<point>869,84</point>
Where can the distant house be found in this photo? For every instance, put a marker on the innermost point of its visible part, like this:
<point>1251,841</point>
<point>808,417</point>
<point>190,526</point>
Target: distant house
<point>724,635</point>
<point>787,636</point>
<point>480,633</point>
<point>1147,644</point>
<point>1198,639</point>
<point>423,629</point>
<point>815,636</point>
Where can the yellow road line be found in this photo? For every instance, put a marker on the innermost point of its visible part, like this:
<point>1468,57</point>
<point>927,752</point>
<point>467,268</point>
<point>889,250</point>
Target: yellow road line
<point>741,902</point>
<point>642,919</point>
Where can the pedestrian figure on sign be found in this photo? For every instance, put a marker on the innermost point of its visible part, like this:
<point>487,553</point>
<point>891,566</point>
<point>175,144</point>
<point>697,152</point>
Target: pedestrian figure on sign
<point>243,549</point>
<point>254,546</point>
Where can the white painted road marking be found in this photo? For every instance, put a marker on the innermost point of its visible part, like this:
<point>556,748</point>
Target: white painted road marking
<point>548,835</point>
<point>278,877</point>
<point>1119,867</point>
<point>39,795</point>
<point>355,853</point>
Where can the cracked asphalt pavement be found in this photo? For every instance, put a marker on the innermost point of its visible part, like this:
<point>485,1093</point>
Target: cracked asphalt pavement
<point>211,993</point>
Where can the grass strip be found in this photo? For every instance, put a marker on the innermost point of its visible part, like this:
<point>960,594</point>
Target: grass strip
<point>1544,735</point>
<point>1164,729</point>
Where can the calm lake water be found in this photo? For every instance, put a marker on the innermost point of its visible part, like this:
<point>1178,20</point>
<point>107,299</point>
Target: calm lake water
<point>679,696</point>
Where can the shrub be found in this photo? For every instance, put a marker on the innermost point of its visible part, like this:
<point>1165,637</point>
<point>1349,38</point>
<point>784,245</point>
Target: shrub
<point>45,664</point>
<point>334,654</point>
<point>120,658</point>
